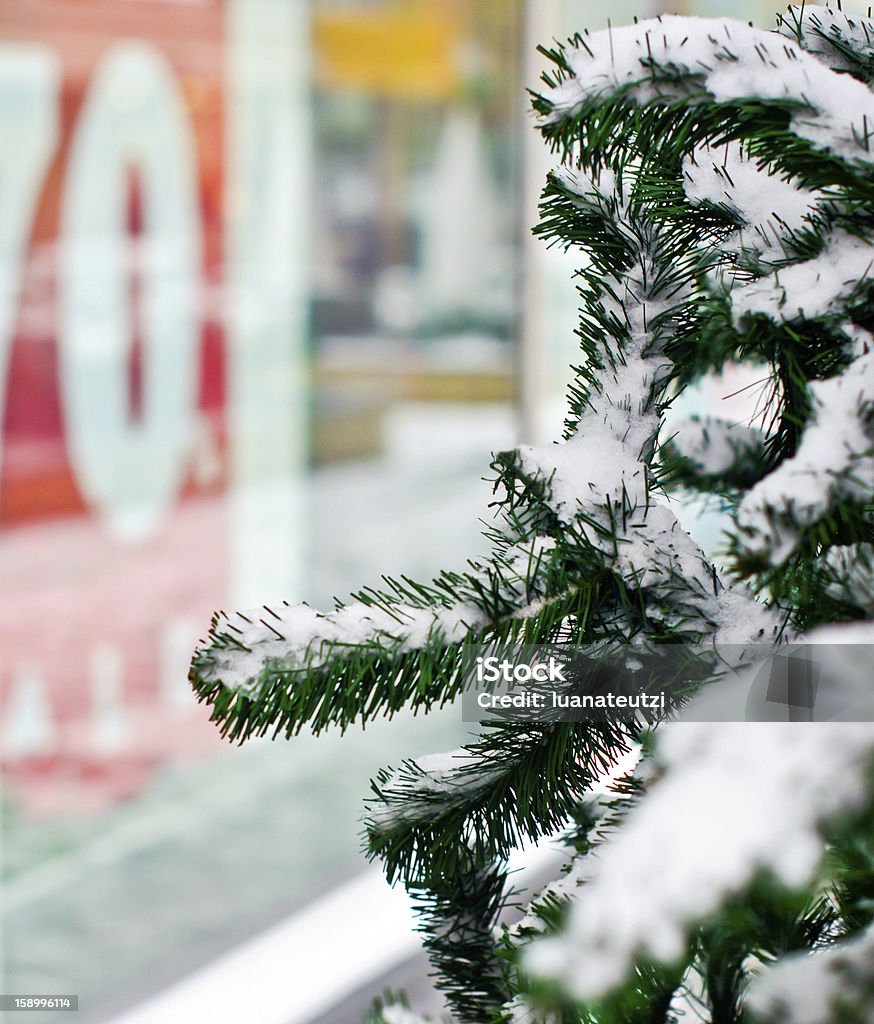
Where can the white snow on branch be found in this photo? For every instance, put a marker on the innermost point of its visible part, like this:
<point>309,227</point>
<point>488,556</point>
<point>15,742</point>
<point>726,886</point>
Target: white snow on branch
<point>826,987</point>
<point>605,460</point>
<point>595,475</point>
<point>602,184</point>
<point>770,206</point>
<point>813,288</point>
<point>834,462</point>
<point>593,466</point>
<point>698,837</point>
<point>832,35</point>
<point>730,61</point>
<point>408,794</point>
<point>600,475</point>
<point>300,636</point>
<point>860,341</point>
<point>523,560</point>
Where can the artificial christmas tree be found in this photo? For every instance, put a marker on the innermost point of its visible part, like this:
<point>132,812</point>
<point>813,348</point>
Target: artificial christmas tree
<point>718,181</point>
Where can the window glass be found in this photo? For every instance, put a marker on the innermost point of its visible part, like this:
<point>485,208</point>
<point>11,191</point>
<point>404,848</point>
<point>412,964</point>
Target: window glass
<point>257,322</point>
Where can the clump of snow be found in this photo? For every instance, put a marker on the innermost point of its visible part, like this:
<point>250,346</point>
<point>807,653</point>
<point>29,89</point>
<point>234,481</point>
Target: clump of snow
<point>740,620</point>
<point>830,34</point>
<point>770,206</point>
<point>861,342</point>
<point>826,987</point>
<point>602,183</point>
<point>835,461</point>
<point>736,799</point>
<point>592,465</point>
<point>728,60</point>
<point>523,560</point>
<point>813,288</point>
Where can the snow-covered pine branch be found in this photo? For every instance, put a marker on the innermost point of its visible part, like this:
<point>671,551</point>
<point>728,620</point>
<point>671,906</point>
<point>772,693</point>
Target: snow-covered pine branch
<point>428,817</point>
<point>689,61</point>
<point>773,141</point>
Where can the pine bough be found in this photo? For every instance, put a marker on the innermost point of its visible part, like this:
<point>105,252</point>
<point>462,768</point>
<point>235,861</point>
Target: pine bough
<point>718,183</point>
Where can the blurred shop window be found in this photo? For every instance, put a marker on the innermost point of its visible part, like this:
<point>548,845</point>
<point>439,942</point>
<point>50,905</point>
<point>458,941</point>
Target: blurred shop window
<point>415,244</point>
<point>176,341</point>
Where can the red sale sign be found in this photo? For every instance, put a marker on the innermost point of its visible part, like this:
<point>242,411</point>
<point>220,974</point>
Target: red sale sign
<point>149,347</point>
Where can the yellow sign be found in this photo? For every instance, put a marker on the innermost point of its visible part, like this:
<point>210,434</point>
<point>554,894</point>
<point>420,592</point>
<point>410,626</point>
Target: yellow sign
<point>406,54</point>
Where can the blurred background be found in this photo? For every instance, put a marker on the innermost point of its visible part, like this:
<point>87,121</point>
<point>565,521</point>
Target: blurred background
<point>268,301</point>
